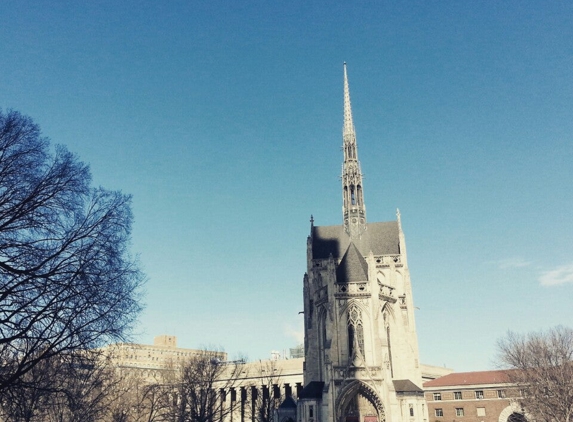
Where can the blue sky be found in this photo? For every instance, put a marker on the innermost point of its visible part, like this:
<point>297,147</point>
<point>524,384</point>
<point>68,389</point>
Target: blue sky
<point>224,120</point>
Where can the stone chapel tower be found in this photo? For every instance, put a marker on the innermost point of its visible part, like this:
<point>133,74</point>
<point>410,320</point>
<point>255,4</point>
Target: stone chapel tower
<point>361,348</point>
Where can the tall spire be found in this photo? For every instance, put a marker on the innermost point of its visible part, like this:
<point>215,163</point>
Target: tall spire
<point>348,129</point>
<point>353,208</point>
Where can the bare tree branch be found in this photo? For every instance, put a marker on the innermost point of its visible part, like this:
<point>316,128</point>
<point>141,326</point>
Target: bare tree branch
<point>201,384</point>
<point>542,364</point>
<point>67,281</point>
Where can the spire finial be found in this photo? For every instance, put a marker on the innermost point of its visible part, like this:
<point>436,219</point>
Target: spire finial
<point>353,208</point>
<point>399,219</point>
<point>348,123</point>
<point>402,244</point>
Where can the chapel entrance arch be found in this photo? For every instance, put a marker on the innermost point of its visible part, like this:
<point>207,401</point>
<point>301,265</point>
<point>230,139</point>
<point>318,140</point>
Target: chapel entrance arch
<point>358,402</point>
<point>516,417</point>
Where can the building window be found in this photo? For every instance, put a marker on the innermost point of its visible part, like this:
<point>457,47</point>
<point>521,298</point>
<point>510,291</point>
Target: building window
<point>311,411</point>
<point>322,326</point>
<point>481,411</point>
<point>355,332</point>
<point>437,396</point>
<point>459,411</point>
<point>411,410</point>
<point>310,309</point>
<point>439,412</point>
<point>500,394</point>
<point>457,395</point>
<point>479,394</point>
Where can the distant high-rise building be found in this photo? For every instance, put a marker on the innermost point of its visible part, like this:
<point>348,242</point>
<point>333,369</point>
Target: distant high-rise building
<point>360,347</point>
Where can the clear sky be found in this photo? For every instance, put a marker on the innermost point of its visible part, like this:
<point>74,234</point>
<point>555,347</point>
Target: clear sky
<point>224,120</point>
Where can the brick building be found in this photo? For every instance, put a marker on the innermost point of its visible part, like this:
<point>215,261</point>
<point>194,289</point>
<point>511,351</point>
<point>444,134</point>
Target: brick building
<point>485,396</point>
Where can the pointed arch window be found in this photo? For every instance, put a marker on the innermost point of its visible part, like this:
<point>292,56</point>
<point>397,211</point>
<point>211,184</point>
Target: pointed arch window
<point>350,340</point>
<point>323,333</point>
<point>389,349</point>
<point>355,331</point>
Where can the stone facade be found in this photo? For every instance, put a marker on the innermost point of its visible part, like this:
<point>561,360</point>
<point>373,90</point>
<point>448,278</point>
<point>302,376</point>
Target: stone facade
<point>282,379</point>
<point>361,348</point>
<point>162,354</point>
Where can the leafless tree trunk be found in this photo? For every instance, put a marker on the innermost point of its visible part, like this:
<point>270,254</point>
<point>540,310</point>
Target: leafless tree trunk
<point>66,388</point>
<point>264,397</point>
<point>155,401</point>
<point>26,399</point>
<point>542,364</point>
<point>85,382</point>
<point>200,385</point>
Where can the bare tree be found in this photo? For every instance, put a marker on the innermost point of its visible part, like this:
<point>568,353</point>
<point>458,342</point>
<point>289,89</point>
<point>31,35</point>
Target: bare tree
<point>542,364</point>
<point>125,401</point>
<point>27,398</point>
<point>83,384</point>
<point>265,394</point>
<point>201,385</point>
<point>143,398</point>
<point>65,388</point>
<point>67,281</point>
<point>155,402</point>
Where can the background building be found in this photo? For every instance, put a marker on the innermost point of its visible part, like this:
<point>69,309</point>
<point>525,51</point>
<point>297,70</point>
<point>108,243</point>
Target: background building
<point>485,396</point>
<point>162,354</point>
<point>279,379</point>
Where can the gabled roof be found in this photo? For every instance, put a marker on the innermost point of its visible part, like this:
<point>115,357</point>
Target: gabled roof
<point>313,390</point>
<point>470,378</point>
<point>352,267</point>
<point>288,403</point>
<point>406,386</point>
<point>380,238</point>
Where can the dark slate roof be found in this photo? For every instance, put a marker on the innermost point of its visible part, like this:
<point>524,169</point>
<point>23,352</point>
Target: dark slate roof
<point>381,238</point>
<point>352,267</point>
<point>313,390</point>
<point>406,386</point>
<point>288,403</point>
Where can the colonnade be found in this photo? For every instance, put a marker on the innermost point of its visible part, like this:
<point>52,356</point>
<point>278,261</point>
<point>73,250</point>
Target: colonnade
<point>243,403</point>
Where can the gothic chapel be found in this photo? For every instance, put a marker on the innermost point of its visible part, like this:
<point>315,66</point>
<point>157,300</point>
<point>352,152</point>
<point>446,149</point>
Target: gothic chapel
<point>361,349</point>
